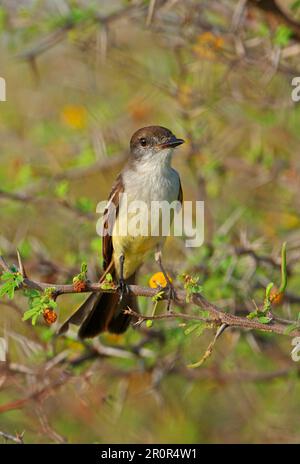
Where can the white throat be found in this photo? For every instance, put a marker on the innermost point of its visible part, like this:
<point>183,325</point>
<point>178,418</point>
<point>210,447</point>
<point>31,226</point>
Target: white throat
<point>152,178</point>
<point>152,161</point>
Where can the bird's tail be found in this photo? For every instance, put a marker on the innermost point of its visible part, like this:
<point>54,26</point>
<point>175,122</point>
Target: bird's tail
<point>102,312</point>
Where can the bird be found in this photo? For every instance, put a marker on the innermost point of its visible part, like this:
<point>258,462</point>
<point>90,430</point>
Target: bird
<point>148,176</point>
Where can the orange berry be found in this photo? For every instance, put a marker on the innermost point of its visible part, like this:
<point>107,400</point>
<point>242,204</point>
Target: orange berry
<point>50,316</point>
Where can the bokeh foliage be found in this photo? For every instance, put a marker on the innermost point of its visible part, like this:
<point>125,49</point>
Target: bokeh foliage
<point>223,83</point>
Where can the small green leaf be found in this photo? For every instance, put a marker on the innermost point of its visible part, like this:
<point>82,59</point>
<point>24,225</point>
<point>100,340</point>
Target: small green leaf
<point>264,319</point>
<point>252,315</point>
<point>35,318</point>
<point>197,327</point>
<point>108,277</point>
<point>108,283</point>
<point>205,314</point>
<point>267,303</point>
<point>85,204</point>
<point>62,189</point>
<point>38,303</point>
<point>158,296</point>
<point>12,280</point>
<point>191,329</point>
<point>282,35</point>
<point>29,313</point>
<point>191,285</point>
<point>83,268</point>
<point>82,276</point>
<point>268,289</point>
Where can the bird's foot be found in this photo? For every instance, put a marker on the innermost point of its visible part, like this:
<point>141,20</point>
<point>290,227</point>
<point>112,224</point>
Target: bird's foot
<point>123,289</point>
<point>170,291</point>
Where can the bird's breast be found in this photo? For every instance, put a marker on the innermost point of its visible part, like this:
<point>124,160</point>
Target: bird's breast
<point>132,234</point>
<point>151,184</point>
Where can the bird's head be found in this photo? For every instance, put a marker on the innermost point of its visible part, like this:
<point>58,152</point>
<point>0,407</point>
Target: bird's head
<point>153,142</point>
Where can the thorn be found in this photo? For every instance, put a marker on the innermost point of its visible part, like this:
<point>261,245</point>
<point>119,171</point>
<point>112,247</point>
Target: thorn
<point>20,264</point>
<point>157,256</point>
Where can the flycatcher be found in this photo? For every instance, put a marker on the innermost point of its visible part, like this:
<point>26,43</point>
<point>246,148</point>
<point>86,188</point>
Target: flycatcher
<point>147,177</point>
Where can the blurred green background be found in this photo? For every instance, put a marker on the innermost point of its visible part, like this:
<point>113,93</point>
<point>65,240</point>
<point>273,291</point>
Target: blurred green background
<point>81,77</point>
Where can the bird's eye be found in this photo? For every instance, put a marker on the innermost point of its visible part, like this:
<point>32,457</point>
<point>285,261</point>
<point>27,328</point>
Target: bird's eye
<point>143,142</point>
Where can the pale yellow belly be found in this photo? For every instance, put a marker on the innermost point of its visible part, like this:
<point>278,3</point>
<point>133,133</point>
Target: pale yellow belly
<point>135,251</point>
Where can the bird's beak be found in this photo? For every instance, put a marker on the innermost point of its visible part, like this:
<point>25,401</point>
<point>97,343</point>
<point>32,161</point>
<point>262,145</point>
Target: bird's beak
<point>172,143</point>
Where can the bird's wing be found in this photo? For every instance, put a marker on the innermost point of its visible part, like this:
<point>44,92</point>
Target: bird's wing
<point>109,218</point>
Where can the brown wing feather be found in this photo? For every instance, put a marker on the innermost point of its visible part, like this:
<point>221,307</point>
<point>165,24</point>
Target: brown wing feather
<point>109,221</point>
<point>86,309</point>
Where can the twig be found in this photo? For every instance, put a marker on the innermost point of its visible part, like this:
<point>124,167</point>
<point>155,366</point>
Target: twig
<point>151,10</point>
<point>18,438</point>
<point>209,350</point>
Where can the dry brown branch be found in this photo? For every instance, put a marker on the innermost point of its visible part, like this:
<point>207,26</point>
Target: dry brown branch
<point>216,315</point>
<point>40,393</point>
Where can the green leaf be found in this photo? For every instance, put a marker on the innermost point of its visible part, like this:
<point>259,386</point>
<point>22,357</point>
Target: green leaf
<point>267,303</point>
<point>108,277</point>
<point>84,204</point>
<point>38,303</point>
<point>29,313</point>
<point>264,319</point>
<point>82,276</point>
<point>83,268</point>
<point>62,189</point>
<point>7,275</point>
<point>191,285</point>
<point>35,318</point>
<point>197,327</point>
<point>32,293</point>
<point>191,328</point>
<point>108,283</point>
<point>12,280</point>
<point>158,296</point>
<point>203,313</point>
<point>282,35</point>
<point>201,327</point>
<point>252,315</point>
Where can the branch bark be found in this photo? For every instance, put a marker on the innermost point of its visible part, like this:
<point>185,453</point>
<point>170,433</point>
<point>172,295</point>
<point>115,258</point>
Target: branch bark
<point>216,315</point>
